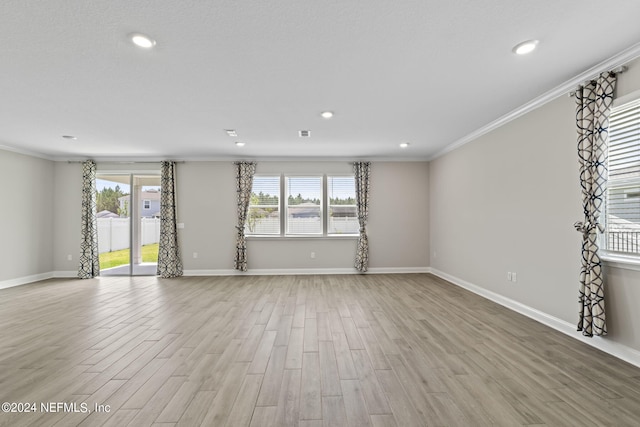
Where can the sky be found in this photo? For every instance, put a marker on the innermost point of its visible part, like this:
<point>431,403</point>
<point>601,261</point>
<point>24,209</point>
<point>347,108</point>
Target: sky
<point>338,187</point>
<point>103,183</point>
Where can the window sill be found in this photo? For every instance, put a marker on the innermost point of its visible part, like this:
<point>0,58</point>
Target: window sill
<point>318,237</point>
<point>621,261</point>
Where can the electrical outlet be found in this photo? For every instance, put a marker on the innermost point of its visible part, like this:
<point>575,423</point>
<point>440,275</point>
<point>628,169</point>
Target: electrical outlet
<point>509,276</point>
<point>313,255</point>
<point>514,277</point>
<point>195,254</point>
<point>69,257</point>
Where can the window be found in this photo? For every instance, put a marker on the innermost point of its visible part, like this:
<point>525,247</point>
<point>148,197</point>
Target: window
<point>622,234</point>
<point>304,205</point>
<point>343,213</point>
<point>263,217</point>
<point>312,205</point>
<point>146,204</point>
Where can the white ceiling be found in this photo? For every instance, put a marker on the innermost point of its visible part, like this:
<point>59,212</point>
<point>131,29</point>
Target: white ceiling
<point>427,72</point>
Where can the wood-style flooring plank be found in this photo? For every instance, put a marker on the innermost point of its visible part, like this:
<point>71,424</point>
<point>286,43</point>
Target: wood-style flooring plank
<point>355,408</point>
<point>371,391</point>
<point>288,409</point>
<point>333,412</point>
<point>242,409</point>
<point>329,378</point>
<point>295,349</point>
<point>270,389</point>
<point>264,416</point>
<point>311,399</point>
<point>218,412</point>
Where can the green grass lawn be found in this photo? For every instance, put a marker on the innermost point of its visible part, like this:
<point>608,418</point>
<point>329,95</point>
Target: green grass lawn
<point>121,257</point>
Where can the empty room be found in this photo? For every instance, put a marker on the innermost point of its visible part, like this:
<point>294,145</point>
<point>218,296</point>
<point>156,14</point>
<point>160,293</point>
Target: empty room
<point>319,213</point>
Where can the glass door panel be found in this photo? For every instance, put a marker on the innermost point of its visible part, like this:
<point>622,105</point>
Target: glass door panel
<point>128,211</point>
<point>114,224</point>
<point>146,226</point>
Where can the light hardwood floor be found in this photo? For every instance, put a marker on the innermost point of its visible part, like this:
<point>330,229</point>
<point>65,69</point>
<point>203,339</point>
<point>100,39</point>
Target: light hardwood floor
<point>372,350</point>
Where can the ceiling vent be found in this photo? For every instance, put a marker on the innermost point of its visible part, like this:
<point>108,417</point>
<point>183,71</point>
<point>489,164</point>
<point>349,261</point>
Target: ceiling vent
<point>304,133</point>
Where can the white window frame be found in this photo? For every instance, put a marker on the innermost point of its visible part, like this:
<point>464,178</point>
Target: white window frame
<point>618,259</point>
<point>283,206</point>
<point>280,216</point>
<point>328,203</point>
<point>146,204</point>
<point>285,201</point>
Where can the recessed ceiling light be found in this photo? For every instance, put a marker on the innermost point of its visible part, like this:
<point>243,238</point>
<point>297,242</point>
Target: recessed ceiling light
<point>142,40</point>
<point>525,47</point>
<point>69,137</point>
<point>240,144</point>
<point>404,144</point>
<point>231,132</point>
<point>326,114</point>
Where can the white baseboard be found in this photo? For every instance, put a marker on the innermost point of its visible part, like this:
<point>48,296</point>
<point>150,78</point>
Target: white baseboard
<point>613,348</point>
<point>304,271</point>
<point>227,272</point>
<point>37,277</point>
<point>66,274</point>
<point>399,270</point>
<point>25,280</point>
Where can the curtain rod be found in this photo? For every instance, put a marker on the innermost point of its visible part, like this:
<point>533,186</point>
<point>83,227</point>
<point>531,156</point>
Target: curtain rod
<point>618,70</point>
<point>128,163</point>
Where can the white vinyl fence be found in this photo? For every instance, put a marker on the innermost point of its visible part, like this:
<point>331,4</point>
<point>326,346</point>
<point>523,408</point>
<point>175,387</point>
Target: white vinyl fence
<point>113,233</point>
<point>344,225</point>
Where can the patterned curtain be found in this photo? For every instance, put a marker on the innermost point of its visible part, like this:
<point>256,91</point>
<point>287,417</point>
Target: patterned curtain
<point>169,262</point>
<point>89,259</point>
<point>244,183</point>
<point>362,172</point>
<point>592,119</point>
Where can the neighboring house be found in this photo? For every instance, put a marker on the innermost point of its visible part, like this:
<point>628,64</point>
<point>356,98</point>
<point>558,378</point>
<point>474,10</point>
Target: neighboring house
<point>106,214</point>
<point>344,211</point>
<point>304,210</point>
<point>624,203</point>
<point>149,203</point>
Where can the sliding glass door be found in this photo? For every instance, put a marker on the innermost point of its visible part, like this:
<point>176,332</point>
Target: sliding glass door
<point>128,214</point>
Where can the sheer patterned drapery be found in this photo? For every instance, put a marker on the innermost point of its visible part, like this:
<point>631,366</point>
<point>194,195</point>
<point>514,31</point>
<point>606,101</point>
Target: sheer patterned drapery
<point>89,258</point>
<point>362,171</point>
<point>592,120</point>
<point>169,262</point>
<point>244,184</point>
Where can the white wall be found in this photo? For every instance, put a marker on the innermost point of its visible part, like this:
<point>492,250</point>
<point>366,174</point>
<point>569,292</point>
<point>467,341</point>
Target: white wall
<point>66,207</point>
<point>26,215</point>
<point>399,215</point>
<point>206,194</point>
<point>508,201</point>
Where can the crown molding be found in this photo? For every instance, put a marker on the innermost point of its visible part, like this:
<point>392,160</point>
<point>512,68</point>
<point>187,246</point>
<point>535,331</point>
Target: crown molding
<point>615,61</point>
<point>26,152</point>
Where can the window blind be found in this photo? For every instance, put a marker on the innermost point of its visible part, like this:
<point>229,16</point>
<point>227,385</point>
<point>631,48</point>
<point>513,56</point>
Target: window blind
<point>343,213</point>
<point>263,217</point>
<point>304,205</point>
